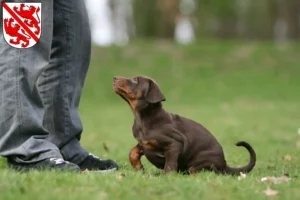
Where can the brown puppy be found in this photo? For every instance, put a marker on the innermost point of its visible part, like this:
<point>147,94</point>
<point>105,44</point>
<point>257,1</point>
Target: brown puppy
<point>169,141</point>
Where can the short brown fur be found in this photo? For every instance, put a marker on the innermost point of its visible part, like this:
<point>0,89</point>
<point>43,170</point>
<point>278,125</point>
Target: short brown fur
<point>135,157</point>
<point>169,141</point>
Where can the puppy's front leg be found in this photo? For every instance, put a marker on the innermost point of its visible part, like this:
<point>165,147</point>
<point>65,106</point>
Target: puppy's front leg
<point>135,157</point>
<point>172,152</point>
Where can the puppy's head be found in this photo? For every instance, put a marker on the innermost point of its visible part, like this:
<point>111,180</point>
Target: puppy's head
<point>138,91</point>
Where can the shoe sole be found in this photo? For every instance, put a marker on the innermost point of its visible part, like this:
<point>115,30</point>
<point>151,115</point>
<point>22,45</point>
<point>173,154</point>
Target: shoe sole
<point>107,171</point>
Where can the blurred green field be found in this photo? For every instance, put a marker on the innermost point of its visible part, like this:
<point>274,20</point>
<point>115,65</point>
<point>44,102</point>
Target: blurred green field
<point>238,90</point>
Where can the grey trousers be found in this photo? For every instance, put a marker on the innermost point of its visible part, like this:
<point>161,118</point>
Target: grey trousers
<point>40,87</point>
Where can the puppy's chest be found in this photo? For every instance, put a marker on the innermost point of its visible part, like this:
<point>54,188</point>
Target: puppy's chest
<point>139,132</point>
<point>142,136</point>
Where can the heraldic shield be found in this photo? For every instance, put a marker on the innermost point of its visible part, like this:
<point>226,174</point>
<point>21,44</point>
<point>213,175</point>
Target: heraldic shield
<point>21,23</point>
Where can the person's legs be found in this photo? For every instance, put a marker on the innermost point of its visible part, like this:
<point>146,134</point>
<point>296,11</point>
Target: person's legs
<point>61,83</point>
<point>22,136</point>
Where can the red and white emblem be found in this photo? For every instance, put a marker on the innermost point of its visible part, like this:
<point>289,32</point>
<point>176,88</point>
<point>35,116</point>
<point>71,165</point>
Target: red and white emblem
<point>21,23</point>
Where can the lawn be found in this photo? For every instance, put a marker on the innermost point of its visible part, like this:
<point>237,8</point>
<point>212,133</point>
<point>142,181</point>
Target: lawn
<point>239,91</point>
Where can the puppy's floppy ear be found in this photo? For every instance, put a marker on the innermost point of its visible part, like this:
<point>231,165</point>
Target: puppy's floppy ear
<point>154,94</point>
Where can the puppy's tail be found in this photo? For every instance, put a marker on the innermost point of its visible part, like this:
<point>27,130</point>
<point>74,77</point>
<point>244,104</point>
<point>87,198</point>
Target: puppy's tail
<point>248,167</point>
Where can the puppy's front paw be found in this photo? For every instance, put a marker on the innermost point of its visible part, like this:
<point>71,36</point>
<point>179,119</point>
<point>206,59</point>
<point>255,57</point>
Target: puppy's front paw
<point>138,167</point>
<point>169,170</point>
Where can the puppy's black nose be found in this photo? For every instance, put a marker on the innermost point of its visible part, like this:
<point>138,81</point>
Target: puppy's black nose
<point>115,78</point>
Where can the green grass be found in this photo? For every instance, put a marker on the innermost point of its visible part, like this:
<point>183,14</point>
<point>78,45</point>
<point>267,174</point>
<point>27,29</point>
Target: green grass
<point>239,91</point>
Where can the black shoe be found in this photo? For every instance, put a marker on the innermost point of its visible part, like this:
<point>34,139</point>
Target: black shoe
<point>92,162</point>
<point>47,164</point>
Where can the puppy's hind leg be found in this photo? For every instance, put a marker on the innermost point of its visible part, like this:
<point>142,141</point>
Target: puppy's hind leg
<point>203,166</point>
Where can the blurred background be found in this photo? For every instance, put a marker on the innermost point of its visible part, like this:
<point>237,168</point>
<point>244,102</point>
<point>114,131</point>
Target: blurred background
<point>119,21</point>
<point>232,65</point>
